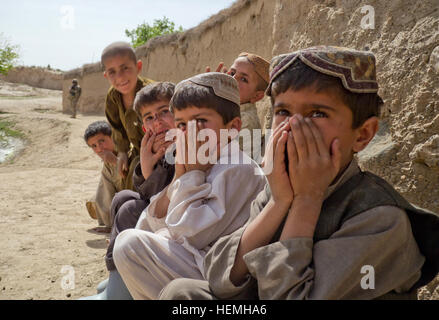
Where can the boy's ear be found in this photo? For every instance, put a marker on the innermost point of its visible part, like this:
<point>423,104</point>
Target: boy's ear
<point>258,96</point>
<point>139,65</point>
<point>365,134</point>
<point>235,123</point>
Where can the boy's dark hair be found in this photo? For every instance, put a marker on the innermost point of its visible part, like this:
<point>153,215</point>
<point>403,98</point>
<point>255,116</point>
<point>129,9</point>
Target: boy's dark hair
<point>299,76</point>
<point>191,94</point>
<point>96,128</point>
<point>152,93</point>
<point>116,49</point>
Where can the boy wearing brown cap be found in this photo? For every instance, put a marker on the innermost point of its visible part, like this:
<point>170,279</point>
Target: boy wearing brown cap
<point>122,69</point>
<point>205,201</point>
<point>252,74</point>
<point>322,228</point>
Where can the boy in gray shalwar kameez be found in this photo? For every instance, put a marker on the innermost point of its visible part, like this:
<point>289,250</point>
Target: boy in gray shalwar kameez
<point>322,228</point>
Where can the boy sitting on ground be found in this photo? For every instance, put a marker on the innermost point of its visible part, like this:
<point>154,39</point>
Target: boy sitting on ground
<point>152,173</point>
<point>205,201</point>
<point>150,176</point>
<point>122,70</point>
<point>98,138</point>
<point>322,228</point>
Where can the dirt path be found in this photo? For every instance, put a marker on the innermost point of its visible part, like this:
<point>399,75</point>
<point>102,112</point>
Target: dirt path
<point>45,228</point>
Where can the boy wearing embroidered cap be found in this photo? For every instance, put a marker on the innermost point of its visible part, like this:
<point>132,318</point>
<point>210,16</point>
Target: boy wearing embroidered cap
<point>206,199</point>
<point>322,228</point>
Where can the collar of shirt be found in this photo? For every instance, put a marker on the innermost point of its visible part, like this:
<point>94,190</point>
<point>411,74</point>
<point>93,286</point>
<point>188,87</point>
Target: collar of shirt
<point>351,170</point>
<point>139,85</point>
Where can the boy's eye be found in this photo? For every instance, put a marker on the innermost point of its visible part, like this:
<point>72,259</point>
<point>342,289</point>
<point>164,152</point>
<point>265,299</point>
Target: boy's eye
<point>164,112</point>
<point>201,123</point>
<point>282,113</point>
<point>318,114</point>
<point>149,118</point>
<point>243,80</point>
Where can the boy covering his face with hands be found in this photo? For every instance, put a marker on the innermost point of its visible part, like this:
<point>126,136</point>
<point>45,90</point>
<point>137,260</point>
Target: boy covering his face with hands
<point>205,201</point>
<point>320,220</point>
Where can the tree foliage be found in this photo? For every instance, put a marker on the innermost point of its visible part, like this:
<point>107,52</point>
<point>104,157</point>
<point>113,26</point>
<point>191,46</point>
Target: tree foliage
<point>144,31</point>
<point>8,55</point>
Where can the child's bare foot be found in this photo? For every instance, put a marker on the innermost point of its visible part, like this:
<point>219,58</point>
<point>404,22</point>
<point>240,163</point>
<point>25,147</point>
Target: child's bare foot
<point>101,229</point>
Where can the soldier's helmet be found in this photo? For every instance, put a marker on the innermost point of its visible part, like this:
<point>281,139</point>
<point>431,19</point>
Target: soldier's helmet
<point>75,81</point>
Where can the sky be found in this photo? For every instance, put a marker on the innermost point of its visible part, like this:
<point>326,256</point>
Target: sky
<point>66,34</point>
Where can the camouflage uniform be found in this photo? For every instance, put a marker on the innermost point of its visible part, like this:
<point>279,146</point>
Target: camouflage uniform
<point>75,93</point>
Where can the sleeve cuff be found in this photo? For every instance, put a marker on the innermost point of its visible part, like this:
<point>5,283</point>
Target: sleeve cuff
<point>296,252</point>
<point>151,186</point>
<point>219,277</point>
<point>189,179</point>
<point>193,178</point>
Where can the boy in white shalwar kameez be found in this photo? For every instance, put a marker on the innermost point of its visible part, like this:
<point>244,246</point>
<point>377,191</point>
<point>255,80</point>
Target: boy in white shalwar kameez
<point>204,202</point>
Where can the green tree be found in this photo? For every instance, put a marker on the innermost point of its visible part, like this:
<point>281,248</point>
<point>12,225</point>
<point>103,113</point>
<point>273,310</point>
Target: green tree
<point>144,31</point>
<point>8,55</point>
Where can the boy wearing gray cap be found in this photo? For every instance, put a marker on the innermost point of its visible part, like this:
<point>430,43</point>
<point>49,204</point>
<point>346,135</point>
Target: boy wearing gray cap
<point>322,228</point>
<point>206,199</point>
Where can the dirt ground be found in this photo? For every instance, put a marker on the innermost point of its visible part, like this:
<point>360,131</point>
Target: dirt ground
<point>48,248</point>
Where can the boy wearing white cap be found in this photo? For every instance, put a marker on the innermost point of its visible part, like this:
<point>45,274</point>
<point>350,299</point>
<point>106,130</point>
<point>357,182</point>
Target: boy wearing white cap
<point>205,201</point>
